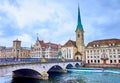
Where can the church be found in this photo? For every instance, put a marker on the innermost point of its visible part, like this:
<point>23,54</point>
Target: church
<point>75,49</point>
<point>97,52</point>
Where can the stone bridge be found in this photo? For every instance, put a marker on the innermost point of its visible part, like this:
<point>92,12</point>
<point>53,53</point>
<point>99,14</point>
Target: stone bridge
<point>37,70</point>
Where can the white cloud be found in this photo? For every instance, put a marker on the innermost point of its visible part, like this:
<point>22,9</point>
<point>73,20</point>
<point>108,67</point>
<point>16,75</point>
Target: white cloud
<point>27,13</point>
<point>31,11</point>
<point>53,20</point>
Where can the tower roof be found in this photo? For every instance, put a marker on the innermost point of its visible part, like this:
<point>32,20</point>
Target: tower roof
<point>79,24</point>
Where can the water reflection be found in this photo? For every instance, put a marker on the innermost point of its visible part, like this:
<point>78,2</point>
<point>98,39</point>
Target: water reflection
<point>24,80</point>
<point>53,78</point>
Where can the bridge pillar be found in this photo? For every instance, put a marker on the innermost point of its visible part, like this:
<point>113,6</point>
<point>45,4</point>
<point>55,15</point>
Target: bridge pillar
<point>45,75</point>
<point>43,60</point>
<point>64,70</point>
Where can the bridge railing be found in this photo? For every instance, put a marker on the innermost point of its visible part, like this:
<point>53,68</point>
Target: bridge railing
<point>7,61</point>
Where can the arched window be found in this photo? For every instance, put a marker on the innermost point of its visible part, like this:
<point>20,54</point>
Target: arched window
<point>78,35</point>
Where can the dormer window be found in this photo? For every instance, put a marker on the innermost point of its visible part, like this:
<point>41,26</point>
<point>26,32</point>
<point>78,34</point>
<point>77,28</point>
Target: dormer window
<point>97,45</point>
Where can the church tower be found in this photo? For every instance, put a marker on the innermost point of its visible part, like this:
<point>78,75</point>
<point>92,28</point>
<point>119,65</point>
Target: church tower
<point>16,48</point>
<point>80,35</point>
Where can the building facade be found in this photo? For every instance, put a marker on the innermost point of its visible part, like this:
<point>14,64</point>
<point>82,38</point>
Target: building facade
<point>48,50</point>
<point>103,52</point>
<point>75,49</point>
<point>14,52</point>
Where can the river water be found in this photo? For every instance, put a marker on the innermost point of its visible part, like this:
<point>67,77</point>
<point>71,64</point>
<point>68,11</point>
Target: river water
<point>74,75</point>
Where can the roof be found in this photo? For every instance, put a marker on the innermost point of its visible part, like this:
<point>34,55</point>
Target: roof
<point>79,24</point>
<point>52,45</point>
<point>70,43</point>
<point>42,43</point>
<point>78,53</point>
<point>16,40</point>
<point>104,42</point>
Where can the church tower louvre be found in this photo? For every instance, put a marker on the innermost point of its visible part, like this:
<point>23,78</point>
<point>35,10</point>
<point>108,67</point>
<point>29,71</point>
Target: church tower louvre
<point>80,35</point>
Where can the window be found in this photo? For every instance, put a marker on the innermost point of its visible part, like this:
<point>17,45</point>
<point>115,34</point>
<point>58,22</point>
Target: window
<point>113,50</point>
<point>110,61</point>
<point>97,45</point>
<point>88,51</point>
<point>109,50</point>
<point>98,61</point>
<point>88,61</point>
<point>95,61</point>
<point>91,61</point>
<point>118,56</point>
<point>87,56</point>
<point>109,44</point>
<point>91,56</point>
<point>69,53</point>
<point>113,44</point>
<point>110,56</point>
<point>98,51</point>
<point>114,61</point>
<point>78,35</point>
<point>114,56</point>
<point>94,56</point>
<point>103,50</point>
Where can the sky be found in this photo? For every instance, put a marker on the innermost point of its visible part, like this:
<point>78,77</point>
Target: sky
<point>56,20</point>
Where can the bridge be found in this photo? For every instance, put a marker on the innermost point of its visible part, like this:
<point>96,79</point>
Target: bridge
<point>35,68</point>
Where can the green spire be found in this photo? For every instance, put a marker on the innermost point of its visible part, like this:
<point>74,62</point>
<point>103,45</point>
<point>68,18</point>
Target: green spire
<point>79,24</point>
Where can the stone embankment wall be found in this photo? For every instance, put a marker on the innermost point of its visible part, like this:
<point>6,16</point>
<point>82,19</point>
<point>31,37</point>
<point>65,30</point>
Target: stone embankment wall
<point>103,65</point>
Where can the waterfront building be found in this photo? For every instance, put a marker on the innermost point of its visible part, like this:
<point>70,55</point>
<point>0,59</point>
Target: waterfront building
<point>75,49</point>
<point>48,50</point>
<point>105,51</point>
<point>14,52</point>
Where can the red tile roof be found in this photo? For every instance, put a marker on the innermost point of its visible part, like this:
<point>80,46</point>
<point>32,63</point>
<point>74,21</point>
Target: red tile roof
<point>52,45</point>
<point>43,44</point>
<point>104,42</point>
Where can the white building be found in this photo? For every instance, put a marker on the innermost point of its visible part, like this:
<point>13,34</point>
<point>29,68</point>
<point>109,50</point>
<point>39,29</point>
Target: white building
<point>103,52</point>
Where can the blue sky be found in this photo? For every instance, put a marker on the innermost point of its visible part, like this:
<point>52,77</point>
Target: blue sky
<point>56,20</point>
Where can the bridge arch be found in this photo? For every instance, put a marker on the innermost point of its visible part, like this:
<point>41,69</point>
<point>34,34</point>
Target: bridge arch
<point>77,65</point>
<point>69,66</point>
<point>55,68</point>
<point>28,73</point>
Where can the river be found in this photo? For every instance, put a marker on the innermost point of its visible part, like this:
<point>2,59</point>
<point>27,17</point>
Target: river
<point>74,75</point>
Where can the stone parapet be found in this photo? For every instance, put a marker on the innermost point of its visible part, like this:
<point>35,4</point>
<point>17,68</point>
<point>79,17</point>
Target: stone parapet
<point>103,65</point>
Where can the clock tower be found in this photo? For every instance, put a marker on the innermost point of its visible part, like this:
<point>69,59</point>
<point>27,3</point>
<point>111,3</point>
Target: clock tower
<point>80,35</point>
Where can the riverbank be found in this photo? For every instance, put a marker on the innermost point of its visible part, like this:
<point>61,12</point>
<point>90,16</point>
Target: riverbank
<point>103,65</point>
